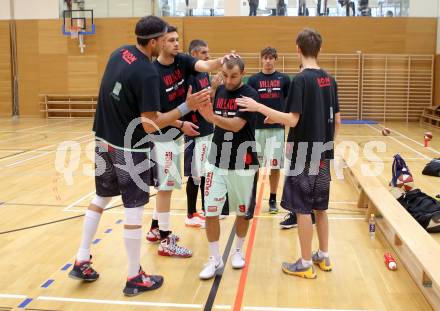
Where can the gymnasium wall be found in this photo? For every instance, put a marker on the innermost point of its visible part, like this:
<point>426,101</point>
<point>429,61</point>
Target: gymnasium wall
<point>5,70</point>
<point>50,63</point>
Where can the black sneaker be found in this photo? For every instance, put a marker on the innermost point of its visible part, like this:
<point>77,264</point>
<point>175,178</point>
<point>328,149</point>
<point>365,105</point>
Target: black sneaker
<point>273,208</point>
<point>142,283</point>
<point>83,271</point>
<point>434,223</point>
<point>290,221</point>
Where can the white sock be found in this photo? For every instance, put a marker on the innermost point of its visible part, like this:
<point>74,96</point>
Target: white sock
<point>306,263</point>
<point>91,222</point>
<point>164,221</point>
<point>322,254</point>
<point>154,214</point>
<point>132,240</point>
<point>239,243</point>
<point>215,250</point>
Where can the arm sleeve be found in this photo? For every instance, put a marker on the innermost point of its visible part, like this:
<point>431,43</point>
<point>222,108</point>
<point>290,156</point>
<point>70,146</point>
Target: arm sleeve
<point>189,64</point>
<point>247,115</point>
<point>295,99</point>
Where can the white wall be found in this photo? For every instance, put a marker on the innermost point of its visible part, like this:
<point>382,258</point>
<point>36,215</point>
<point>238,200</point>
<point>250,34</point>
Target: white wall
<point>236,7</point>
<point>36,9</point>
<point>423,8</point>
<point>5,10</point>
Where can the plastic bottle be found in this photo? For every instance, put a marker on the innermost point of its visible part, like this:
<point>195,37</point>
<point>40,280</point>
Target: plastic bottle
<point>372,227</point>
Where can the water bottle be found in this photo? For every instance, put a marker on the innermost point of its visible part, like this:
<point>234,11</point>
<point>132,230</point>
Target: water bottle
<point>372,226</point>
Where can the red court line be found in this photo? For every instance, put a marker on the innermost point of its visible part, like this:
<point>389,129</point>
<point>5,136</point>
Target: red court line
<point>243,277</point>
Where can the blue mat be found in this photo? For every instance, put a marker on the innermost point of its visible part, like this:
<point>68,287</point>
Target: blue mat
<point>359,122</point>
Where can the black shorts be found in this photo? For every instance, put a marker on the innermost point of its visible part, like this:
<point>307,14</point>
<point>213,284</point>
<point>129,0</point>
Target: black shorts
<point>188,155</point>
<point>304,193</point>
<point>114,177</point>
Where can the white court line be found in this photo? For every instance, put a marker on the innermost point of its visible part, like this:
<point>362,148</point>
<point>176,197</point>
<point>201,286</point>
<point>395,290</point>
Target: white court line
<point>123,302</point>
<point>403,144</point>
<point>44,154</point>
<point>36,127</point>
<point>12,296</point>
<point>222,307</point>
<point>291,309</point>
<point>68,208</point>
<point>31,158</point>
<point>41,148</point>
<point>415,141</point>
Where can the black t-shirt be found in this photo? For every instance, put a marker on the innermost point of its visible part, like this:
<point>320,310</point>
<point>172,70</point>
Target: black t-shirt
<point>198,83</point>
<point>273,90</point>
<point>174,82</point>
<point>234,150</point>
<point>130,85</point>
<point>314,95</point>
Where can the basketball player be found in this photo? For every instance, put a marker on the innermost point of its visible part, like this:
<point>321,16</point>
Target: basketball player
<point>272,87</point>
<point>233,163</point>
<point>174,69</point>
<point>129,90</point>
<point>314,119</point>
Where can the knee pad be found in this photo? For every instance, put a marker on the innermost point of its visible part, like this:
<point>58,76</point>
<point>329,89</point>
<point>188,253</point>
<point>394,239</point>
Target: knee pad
<point>133,216</point>
<point>101,202</point>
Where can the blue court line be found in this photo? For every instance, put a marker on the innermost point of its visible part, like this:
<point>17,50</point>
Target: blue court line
<point>119,221</point>
<point>96,241</point>
<point>359,122</point>
<point>67,266</point>
<point>25,303</point>
<point>108,231</point>
<point>48,283</point>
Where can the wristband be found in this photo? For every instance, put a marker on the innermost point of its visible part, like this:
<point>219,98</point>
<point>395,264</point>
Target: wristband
<point>181,125</point>
<point>183,109</point>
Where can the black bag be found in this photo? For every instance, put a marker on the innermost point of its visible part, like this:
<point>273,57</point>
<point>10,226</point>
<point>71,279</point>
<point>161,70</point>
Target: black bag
<point>432,168</point>
<point>424,209</point>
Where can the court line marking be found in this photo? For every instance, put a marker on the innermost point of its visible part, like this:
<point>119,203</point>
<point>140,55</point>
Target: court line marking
<point>162,304</point>
<point>43,148</point>
<point>11,296</point>
<point>415,141</point>
<point>121,302</point>
<point>44,154</point>
<point>77,201</point>
<point>403,144</point>
<point>294,309</point>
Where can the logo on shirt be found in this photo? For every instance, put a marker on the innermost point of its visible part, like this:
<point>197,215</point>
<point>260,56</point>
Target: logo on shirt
<point>269,88</point>
<point>204,83</point>
<point>242,208</point>
<point>116,90</point>
<point>174,84</point>
<point>128,57</point>
<point>323,82</point>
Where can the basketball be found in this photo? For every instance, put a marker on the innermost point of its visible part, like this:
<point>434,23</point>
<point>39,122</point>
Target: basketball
<point>386,131</point>
<point>405,182</point>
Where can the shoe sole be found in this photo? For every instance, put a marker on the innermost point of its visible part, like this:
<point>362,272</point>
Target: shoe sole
<point>218,271</point>
<point>131,294</point>
<point>74,277</point>
<point>165,254</point>
<point>193,226</point>
<point>323,269</point>
<point>299,274</point>
<point>288,226</point>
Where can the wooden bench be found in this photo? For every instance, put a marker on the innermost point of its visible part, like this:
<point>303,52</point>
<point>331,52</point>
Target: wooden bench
<point>417,250</point>
<point>68,106</point>
<point>431,116</point>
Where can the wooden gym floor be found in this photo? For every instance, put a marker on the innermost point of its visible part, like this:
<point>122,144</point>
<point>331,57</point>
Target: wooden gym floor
<point>41,222</point>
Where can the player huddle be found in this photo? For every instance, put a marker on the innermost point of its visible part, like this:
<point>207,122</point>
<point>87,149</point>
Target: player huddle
<point>228,130</point>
